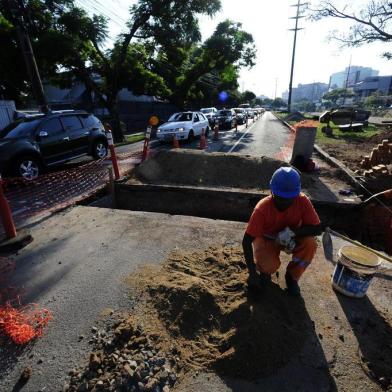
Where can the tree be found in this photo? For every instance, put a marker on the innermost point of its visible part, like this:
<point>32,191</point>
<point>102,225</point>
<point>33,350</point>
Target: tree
<point>305,106</point>
<point>248,96</point>
<point>278,102</point>
<point>373,23</point>
<point>223,54</point>
<point>377,100</point>
<point>337,94</point>
<point>73,43</point>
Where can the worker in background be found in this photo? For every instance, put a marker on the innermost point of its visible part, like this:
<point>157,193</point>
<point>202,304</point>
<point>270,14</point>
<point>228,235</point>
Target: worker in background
<point>286,221</point>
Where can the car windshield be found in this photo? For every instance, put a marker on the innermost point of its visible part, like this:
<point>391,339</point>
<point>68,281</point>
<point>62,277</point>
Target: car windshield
<point>224,113</point>
<point>21,128</point>
<point>206,111</point>
<point>239,111</point>
<point>181,117</point>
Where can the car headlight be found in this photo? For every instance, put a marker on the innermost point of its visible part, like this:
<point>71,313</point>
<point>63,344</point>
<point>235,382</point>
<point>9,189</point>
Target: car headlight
<point>180,129</point>
<point>159,130</point>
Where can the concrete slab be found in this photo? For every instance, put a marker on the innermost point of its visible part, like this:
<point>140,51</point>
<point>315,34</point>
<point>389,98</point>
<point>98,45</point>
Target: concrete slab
<point>77,267</point>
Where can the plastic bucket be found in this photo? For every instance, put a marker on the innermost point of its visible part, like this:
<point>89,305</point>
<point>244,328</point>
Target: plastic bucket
<point>354,271</point>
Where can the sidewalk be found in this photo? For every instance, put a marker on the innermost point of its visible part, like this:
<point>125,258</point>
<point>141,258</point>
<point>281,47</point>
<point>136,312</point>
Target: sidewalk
<point>77,267</point>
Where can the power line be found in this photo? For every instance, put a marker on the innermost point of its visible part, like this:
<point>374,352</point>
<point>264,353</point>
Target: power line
<point>98,8</point>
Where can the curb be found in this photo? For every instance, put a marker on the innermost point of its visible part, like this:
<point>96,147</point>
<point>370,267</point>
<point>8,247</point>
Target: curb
<point>348,174</point>
<point>292,129</point>
<point>22,239</point>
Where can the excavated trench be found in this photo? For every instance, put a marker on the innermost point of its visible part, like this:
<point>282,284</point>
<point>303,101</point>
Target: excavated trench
<point>228,186</point>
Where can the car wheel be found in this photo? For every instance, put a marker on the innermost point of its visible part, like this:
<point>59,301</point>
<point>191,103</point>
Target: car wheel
<point>28,167</point>
<point>191,136</point>
<point>100,149</point>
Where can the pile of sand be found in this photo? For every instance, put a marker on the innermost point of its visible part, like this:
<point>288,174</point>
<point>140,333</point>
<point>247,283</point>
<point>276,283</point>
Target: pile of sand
<point>200,302</point>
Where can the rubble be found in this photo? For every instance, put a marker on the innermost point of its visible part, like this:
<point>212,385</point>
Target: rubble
<point>125,359</point>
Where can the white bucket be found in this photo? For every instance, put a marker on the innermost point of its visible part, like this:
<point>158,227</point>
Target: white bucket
<point>354,271</point>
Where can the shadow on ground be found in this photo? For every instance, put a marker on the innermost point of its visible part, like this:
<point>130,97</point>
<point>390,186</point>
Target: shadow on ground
<point>274,340</point>
<point>374,336</point>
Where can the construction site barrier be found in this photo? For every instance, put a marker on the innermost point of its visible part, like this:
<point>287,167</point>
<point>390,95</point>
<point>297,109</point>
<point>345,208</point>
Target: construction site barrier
<point>147,138</point>
<point>20,323</point>
<point>203,140</point>
<point>55,191</point>
<point>113,154</point>
<point>6,215</point>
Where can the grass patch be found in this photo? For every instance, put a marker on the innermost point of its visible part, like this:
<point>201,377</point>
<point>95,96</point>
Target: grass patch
<point>345,136</point>
<point>130,139</point>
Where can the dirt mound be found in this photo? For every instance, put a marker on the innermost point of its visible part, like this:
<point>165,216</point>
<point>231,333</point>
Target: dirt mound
<point>196,168</point>
<point>378,138</point>
<point>200,301</point>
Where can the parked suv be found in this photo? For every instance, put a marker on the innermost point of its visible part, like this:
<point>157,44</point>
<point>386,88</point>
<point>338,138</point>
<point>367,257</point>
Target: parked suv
<point>30,144</point>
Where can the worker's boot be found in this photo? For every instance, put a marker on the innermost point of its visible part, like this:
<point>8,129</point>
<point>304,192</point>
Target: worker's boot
<point>265,279</point>
<point>292,286</point>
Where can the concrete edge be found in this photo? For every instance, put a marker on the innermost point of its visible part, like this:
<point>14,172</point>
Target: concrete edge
<point>292,129</point>
<point>348,174</point>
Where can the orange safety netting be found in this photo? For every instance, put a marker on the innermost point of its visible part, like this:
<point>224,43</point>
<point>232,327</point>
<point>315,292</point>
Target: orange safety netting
<point>54,191</point>
<point>24,324</point>
<point>20,323</point>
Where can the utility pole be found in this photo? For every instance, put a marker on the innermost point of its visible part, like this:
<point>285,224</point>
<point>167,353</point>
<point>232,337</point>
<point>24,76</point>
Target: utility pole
<point>276,86</point>
<point>296,29</point>
<point>17,12</point>
<point>347,79</point>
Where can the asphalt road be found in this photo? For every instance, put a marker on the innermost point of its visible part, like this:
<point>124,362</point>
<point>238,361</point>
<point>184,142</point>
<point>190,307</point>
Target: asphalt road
<point>267,137</point>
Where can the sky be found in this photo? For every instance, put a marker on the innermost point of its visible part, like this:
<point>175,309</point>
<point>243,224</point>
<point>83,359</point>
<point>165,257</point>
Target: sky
<point>268,21</point>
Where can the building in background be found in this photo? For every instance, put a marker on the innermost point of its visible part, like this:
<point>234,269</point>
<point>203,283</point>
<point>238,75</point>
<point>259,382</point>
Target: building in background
<point>350,76</point>
<point>370,85</point>
<point>312,92</point>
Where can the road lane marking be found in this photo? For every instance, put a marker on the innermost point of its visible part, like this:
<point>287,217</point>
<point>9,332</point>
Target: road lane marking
<point>235,145</point>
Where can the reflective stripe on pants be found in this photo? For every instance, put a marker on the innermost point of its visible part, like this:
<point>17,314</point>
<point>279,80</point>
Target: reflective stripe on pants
<point>266,255</point>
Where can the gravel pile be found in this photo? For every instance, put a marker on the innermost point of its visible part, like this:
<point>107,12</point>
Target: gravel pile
<point>126,359</point>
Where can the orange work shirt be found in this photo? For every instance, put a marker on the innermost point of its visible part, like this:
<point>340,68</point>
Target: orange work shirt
<point>268,221</point>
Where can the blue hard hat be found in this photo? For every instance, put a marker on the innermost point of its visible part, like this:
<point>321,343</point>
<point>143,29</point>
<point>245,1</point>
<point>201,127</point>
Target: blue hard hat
<point>286,183</point>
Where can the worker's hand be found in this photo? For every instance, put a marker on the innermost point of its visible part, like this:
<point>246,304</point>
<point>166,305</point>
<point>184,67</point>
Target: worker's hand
<point>289,249</point>
<point>285,238</point>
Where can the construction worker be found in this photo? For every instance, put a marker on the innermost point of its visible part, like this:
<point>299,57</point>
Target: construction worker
<point>286,221</point>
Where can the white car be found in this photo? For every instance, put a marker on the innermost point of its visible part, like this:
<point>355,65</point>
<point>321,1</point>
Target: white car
<point>185,125</point>
<point>209,113</point>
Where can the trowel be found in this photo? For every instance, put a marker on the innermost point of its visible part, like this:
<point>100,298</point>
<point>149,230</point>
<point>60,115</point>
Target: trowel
<point>328,245</point>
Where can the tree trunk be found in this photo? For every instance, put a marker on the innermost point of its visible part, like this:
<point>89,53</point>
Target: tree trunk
<point>118,135</point>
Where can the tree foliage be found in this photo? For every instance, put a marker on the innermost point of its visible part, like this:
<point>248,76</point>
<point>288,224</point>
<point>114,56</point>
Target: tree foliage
<point>159,54</point>
<point>338,93</point>
<point>370,24</point>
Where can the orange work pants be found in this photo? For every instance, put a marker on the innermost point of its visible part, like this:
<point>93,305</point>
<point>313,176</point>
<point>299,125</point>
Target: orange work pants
<point>266,255</point>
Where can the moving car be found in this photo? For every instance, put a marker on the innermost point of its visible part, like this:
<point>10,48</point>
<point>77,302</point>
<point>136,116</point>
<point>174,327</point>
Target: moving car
<point>209,113</point>
<point>30,144</point>
<point>240,115</point>
<point>226,118</point>
<point>185,125</point>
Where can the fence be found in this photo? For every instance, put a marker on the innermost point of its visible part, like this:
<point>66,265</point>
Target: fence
<point>55,191</point>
